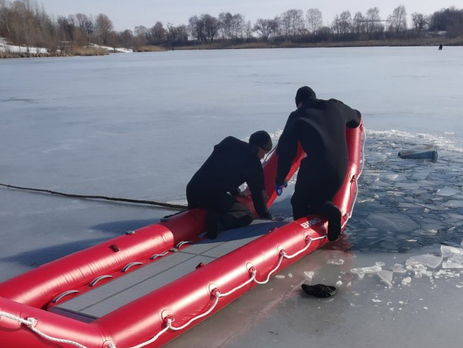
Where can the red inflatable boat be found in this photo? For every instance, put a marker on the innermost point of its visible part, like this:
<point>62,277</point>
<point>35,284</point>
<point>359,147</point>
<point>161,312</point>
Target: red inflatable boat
<point>146,287</point>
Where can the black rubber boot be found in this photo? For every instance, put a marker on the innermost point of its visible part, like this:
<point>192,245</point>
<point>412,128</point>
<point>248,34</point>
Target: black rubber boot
<point>319,290</point>
<point>332,213</point>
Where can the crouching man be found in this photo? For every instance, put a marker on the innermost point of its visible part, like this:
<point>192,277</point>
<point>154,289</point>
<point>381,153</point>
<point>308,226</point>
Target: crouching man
<point>216,183</point>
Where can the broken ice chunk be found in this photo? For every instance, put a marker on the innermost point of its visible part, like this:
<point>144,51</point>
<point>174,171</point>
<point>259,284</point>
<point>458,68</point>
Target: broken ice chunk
<point>406,281</point>
<point>454,204</point>
<point>448,251</point>
<point>337,262</point>
<point>455,261</point>
<point>309,276</point>
<point>398,268</point>
<point>428,260</point>
<point>386,277</point>
<point>447,191</point>
<point>361,271</point>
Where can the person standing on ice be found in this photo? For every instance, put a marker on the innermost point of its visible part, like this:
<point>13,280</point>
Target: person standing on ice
<point>320,127</point>
<point>215,184</point>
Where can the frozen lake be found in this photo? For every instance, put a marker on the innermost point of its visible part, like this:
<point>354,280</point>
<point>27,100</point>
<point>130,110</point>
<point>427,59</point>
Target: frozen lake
<point>139,125</point>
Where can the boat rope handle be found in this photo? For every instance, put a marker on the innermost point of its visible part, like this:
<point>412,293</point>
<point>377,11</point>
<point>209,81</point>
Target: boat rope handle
<point>60,296</point>
<point>130,265</point>
<point>179,244</point>
<point>155,256</point>
<point>97,279</point>
<point>31,324</point>
<point>173,250</point>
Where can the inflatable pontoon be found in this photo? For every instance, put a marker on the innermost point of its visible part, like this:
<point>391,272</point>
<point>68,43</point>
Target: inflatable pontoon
<point>146,287</point>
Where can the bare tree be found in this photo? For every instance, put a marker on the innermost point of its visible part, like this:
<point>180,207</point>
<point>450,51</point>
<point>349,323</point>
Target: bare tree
<point>314,19</point>
<point>373,20</point>
<point>238,25</point>
<point>140,36</point>
<point>176,35</point>
<point>358,23</point>
<point>196,28</point>
<point>211,27</point>
<point>398,19</point>
<point>292,23</point>
<point>157,34</point>
<point>345,21</point>
<point>231,26</point>
<point>225,19</point>
<point>86,27</point>
<point>264,28</point>
<point>204,28</point>
<point>248,30</point>
<point>419,21</point>
<point>103,29</point>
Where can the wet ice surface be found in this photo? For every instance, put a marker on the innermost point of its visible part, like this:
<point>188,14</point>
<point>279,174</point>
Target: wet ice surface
<point>404,203</point>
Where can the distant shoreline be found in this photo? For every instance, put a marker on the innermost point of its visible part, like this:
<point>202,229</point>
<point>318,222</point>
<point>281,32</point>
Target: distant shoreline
<point>255,45</point>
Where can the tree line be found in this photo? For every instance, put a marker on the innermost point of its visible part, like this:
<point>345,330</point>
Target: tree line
<point>25,23</point>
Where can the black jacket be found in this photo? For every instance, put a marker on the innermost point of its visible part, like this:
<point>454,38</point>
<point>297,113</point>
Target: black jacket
<point>320,127</point>
<point>232,163</point>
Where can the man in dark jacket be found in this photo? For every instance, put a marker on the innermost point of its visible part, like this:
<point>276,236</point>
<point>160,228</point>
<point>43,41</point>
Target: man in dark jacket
<point>320,127</point>
<point>232,163</point>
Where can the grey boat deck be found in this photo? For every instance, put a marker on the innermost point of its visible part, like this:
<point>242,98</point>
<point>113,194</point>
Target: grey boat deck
<point>135,284</point>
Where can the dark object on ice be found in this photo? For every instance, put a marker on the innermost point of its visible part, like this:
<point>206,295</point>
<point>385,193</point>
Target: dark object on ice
<point>427,153</point>
<point>440,47</point>
<point>319,290</point>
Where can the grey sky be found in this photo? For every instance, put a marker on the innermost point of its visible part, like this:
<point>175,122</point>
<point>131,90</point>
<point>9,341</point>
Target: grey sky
<point>126,14</point>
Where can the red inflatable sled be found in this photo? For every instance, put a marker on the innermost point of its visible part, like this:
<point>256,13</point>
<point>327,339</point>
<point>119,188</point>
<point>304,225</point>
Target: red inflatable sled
<point>146,287</point>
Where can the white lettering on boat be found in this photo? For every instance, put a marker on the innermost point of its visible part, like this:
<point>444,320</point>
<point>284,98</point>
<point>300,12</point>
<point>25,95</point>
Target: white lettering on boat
<point>310,223</point>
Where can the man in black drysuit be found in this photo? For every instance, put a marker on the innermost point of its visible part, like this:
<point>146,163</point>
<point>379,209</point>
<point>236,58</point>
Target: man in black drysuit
<point>232,163</point>
<point>320,127</point>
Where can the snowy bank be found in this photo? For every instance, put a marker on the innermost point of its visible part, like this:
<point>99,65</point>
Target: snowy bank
<point>5,47</point>
<point>112,49</point>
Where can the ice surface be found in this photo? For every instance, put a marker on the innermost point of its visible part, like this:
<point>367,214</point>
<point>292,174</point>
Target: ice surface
<point>392,222</point>
<point>447,191</point>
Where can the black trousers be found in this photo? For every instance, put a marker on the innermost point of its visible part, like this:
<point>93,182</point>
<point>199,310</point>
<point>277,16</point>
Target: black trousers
<point>230,213</point>
<point>315,189</point>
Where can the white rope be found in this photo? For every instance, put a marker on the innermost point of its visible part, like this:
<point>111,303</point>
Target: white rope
<point>206,313</point>
<point>160,333</point>
<point>32,322</point>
